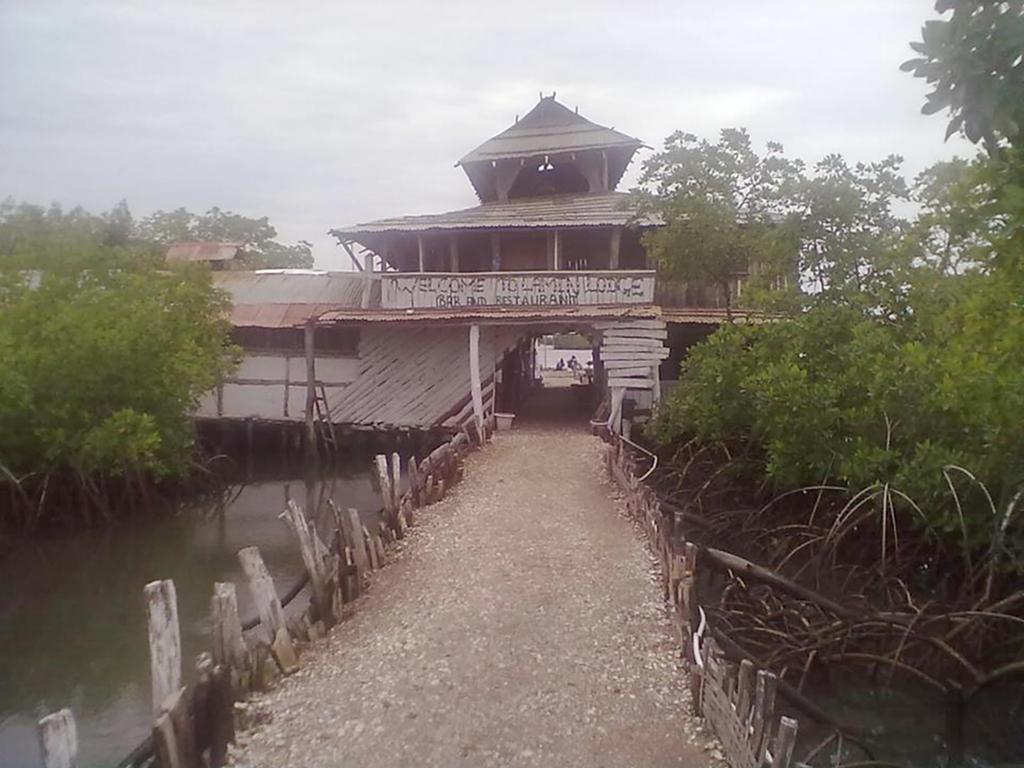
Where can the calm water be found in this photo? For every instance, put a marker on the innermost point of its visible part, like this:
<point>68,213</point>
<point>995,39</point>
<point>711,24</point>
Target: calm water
<point>72,627</point>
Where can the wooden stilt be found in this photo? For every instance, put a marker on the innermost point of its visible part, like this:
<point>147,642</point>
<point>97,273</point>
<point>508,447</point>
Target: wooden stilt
<point>58,740</point>
<point>164,640</point>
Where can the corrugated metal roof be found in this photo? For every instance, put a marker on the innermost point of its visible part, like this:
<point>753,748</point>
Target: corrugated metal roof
<point>549,128</point>
<point>289,299</point>
<point>607,209</point>
<point>202,251</point>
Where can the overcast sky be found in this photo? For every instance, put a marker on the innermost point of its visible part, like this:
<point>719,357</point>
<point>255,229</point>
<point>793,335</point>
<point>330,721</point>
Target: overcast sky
<point>323,114</point>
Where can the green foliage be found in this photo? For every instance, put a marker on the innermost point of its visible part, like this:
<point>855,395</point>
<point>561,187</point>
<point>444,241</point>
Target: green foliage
<point>259,248</point>
<point>723,206</point>
<point>105,351</point>
<point>973,63</point>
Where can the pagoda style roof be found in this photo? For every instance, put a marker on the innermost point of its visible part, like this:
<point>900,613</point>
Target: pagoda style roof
<point>549,128</point>
<point>609,209</point>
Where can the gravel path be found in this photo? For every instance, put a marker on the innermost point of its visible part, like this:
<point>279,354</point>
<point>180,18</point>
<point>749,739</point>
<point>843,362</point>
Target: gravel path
<point>520,625</point>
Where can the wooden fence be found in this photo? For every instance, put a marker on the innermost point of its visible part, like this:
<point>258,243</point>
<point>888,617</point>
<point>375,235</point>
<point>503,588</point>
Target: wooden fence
<point>192,726</point>
<point>737,699</point>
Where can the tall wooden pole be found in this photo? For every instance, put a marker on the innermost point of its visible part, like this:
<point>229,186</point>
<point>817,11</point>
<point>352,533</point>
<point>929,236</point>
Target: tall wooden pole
<point>474,375</point>
<point>310,344</point>
<point>421,248</point>
<point>558,249</point>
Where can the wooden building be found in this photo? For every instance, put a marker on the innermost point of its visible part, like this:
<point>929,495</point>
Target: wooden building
<point>441,314</point>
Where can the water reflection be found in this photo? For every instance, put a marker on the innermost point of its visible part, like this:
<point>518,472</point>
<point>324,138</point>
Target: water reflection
<point>72,627</point>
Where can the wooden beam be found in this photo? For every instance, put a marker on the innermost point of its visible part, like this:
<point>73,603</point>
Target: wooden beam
<point>351,255</point>
<point>495,251</point>
<point>613,256</point>
<point>453,252</point>
<point>474,375</point>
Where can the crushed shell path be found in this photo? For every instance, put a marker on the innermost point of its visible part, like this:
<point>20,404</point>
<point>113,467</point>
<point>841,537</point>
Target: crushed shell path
<point>520,625</point>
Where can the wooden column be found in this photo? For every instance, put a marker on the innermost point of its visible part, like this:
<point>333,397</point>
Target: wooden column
<point>495,251</point>
<point>367,280</point>
<point>309,339</point>
<point>58,740</point>
<point>604,171</point>
<point>453,252</point>
<point>558,249</point>
<point>613,253</point>
<point>474,375</point>
<point>421,249</point>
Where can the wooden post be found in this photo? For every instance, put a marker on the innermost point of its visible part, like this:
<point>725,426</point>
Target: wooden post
<point>613,254</point>
<point>782,752</point>
<point>359,542</point>
<point>474,376</point>
<point>745,691</point>
<point>312,558</point>
<point>371,549</point>
<point>268,606</point>
<point>764,708</point>
<point>415,484</point>
<point>310,345</point>
<point>228,645</point>
<point>396,482</point>
<point>384,480</point>
<point>367,281</point>
<point>421,251</point>
<point>58,740</point>
<point>173,736</point>
<point>453,252</point>
<point>495,251</point>
<point>557,251</point>
<point>164,640</point>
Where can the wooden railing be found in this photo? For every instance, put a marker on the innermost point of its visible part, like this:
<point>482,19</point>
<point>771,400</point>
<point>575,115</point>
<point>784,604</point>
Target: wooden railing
<point>192,726</point>
<point>461,290</point>
<point>736,699</point>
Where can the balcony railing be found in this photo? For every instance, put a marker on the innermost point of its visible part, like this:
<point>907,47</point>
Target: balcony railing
<point>454,290</point>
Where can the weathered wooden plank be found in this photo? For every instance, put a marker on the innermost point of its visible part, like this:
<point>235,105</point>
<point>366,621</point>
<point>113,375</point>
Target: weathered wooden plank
<point>629,342</point>
<point>311,559</point>
<point>164,640</point>
<point>359,548</point>
<point>173,734</point>
<point>228,644</point>
<point>639,355</point>
<point>396,481</point>
<point>371,549</point>
<point>763,711</point>
<point>785,740</point>
<point>628,369</point>
<point>634,333</point>
<point>745,691</point>
<point>631,383</point>
<point>268,606</point>
<point>415,482</point>
<point>58,740</point>
<point>384,481</point>
<point>614,325</point>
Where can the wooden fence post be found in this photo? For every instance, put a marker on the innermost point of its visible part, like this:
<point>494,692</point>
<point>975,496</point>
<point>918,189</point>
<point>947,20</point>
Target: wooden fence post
<point>764,708</point>
<point>313,558</point>
<point>396,481</point>
<point>745,691</point>
<point>268,606</point>
<point>58,740</point>
<point>228,645</point>
<point>414,482</point>
<point>782,752</point>
<point>164,641</point>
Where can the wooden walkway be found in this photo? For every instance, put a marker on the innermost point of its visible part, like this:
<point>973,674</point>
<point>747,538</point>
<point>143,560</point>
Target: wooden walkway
<point>521,625</point>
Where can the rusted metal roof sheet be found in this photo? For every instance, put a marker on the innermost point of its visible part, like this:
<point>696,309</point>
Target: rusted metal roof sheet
<point>285,299</point>
<point>608,209</point>
<point>549,128</point>
<point>202,251</point>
